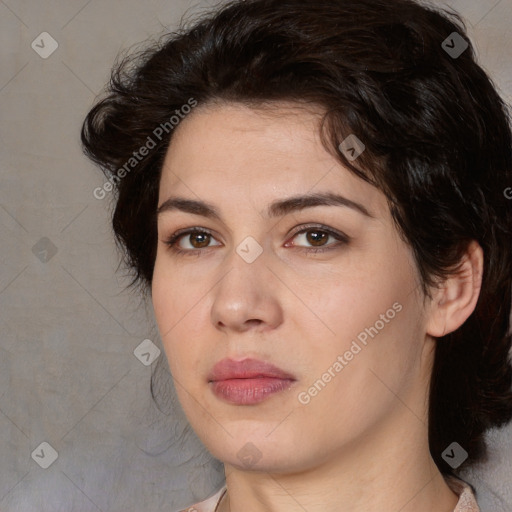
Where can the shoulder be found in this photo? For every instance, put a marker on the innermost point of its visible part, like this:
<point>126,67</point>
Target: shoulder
<point>207,505</point>
<point>467,501</point>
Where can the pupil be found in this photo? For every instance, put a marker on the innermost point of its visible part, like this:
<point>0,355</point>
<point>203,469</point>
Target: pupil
<point>205,240</point>
<point>316,240</point>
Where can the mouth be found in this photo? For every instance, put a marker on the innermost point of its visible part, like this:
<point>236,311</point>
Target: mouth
<point>248,382</point>
<point>249,391</point>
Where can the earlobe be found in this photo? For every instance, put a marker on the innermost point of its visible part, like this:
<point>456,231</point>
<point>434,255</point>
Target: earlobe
<point>456,298</point>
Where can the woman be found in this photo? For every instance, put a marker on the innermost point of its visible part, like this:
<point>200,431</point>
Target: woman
<point>313,195</point>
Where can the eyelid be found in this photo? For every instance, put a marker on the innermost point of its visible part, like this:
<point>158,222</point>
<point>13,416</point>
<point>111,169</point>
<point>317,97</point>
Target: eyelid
<point>321,227</point>
<point>342,238</point>
<point>175,237</point>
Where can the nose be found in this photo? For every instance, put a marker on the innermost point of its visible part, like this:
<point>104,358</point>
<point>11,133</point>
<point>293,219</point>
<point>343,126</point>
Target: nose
<point>247,297</point>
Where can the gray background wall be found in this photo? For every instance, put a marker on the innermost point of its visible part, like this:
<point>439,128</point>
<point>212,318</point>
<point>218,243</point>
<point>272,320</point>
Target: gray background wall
<point>68,373</point>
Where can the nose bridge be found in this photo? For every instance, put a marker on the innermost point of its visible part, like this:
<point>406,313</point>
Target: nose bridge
<point>246,291</point>
<point>250,237</point>
<point>247,264</point>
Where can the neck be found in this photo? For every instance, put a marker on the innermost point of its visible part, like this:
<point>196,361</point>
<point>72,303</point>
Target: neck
<point>403,477</point>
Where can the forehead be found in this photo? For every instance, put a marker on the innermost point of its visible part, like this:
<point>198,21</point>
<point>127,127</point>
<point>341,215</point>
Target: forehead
<point>229,152</point>
<point>230,135</point>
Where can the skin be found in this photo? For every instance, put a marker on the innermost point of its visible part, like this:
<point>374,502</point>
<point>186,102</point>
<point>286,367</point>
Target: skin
<point>360,444</point>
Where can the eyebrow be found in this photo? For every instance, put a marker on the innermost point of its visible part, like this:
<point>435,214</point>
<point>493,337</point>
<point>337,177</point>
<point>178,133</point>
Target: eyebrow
<point>278,208</point>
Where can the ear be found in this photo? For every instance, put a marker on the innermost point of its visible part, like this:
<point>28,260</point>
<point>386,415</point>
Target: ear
<point>454,301</point>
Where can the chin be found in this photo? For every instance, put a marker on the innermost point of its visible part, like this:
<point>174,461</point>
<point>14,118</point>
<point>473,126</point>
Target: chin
<point>257,452</point>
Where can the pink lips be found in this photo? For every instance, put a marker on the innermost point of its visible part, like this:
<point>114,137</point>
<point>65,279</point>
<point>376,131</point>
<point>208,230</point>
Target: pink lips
<point>247,382</point>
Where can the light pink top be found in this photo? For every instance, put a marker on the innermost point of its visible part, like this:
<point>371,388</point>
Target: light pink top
<point>467,501</point>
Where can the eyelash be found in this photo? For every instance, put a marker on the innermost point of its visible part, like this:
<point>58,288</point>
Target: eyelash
<point>341,237</point>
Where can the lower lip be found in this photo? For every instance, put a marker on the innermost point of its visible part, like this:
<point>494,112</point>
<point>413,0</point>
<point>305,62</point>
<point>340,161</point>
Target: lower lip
<point>249,391</point>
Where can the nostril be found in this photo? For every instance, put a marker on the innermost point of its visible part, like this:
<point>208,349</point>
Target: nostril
<point>253,321</point>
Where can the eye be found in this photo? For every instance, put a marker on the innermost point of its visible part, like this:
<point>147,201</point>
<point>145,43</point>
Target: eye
<point>198,238</point>
<point>317,236</point>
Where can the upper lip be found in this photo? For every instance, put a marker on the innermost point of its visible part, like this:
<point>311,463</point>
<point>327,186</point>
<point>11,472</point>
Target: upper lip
<point>246,369</point>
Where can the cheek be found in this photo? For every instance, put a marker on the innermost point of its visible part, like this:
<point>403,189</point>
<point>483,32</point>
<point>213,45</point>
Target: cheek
<point>170,296</point>
<point>181,316</point>
<point>163,300</point>
<point>366,296</point>
<point>370,375</point>
<point>167,295</point>
<point>375,323</point>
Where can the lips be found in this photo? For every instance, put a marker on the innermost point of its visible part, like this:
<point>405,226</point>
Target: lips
<point>247,369</point>
<point>247,382</point>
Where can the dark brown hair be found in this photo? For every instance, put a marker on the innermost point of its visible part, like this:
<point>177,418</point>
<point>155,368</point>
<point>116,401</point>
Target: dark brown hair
<point>438,144</point>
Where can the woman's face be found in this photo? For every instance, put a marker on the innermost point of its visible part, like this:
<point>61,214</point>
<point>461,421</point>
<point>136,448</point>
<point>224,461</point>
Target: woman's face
<point>348,323</point>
